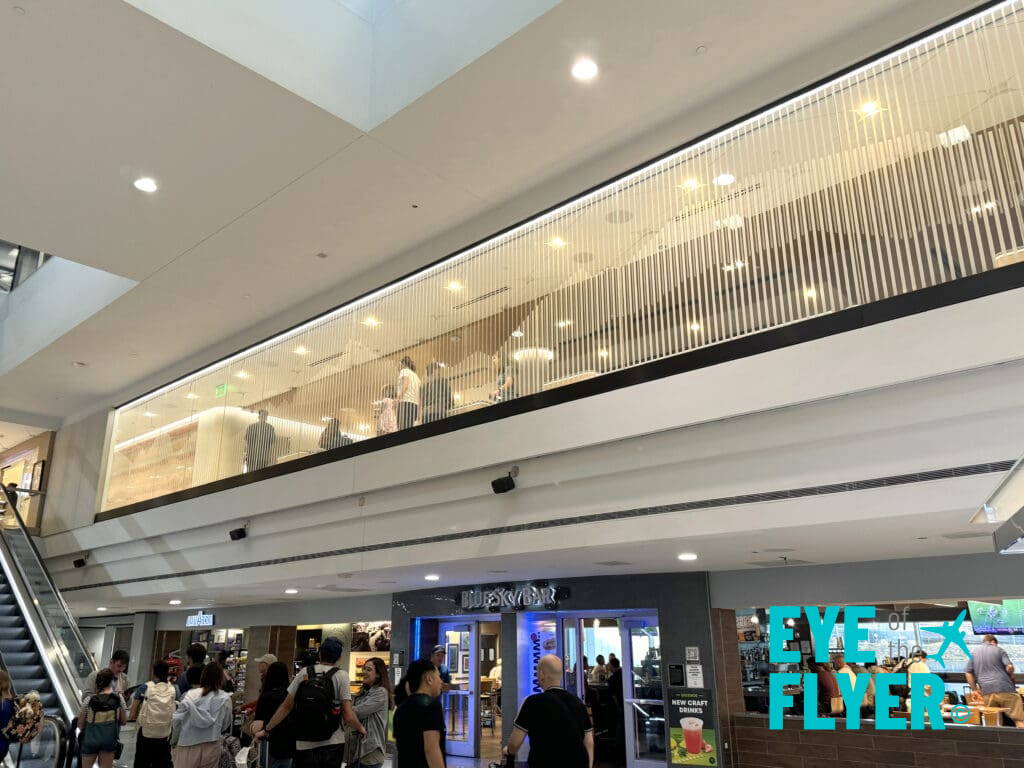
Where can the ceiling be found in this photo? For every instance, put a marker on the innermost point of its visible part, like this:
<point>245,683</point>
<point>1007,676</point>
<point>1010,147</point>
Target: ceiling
<point>910,536</point>
<point>12,435</point>
<point>255,182</point>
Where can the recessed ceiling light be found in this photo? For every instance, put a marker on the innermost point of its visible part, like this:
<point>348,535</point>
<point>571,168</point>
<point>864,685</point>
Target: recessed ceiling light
<point>564,323</point>
<point>723,180</point>
<point>457,396</point>
<point>191,396</point>
<point>955,136</point>
<point>101,609</point>
<point>300,350</point>
<point>557,242</point>
<point>870,108</point>
<point>518,333</point>
<point>364,427</point>
<point>371,322</point>
<point>454,286</point>
<point>730,222</point>
<point>694,326</point>
<point>14,252</point>
<point>322,255</point>
<point>690,185</point>
<point>291,591</point>
<point>79,364</point>
<point>602,352</point>
<point>148,414</point>
<point>174,602</point>
<point>810,293</point>
<point>146,184</point>
<point>686,556</point>
<point>242,375</point>
<point>497,570</point>
<point>432,577</point>
<point>584,69</point>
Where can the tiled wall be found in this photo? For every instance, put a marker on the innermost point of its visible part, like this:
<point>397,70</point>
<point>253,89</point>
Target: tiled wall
<point>756,746</point>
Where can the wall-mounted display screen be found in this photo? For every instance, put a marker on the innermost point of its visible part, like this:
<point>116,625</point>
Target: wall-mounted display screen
<point>995,619</point>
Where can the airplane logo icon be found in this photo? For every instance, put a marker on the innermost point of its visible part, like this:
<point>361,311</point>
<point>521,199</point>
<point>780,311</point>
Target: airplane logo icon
<point>951,633</point>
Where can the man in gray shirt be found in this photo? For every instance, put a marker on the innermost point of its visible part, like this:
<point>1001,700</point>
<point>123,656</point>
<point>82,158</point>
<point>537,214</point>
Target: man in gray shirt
<point>990,673</point>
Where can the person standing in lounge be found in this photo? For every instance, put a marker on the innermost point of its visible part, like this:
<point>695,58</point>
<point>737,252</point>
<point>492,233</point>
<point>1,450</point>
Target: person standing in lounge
<point>505,381</point>
<point>436,395</point>
<point>408,394</point>
<point>990,673</point>
<point>259,443</point>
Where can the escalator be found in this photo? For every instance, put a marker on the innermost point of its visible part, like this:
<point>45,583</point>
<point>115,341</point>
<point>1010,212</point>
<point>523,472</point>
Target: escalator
<point>40,645</point>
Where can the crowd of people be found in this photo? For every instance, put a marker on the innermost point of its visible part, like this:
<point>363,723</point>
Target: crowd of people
<point>989,672</point>
<point>409,401</point>
<point>311,719</point>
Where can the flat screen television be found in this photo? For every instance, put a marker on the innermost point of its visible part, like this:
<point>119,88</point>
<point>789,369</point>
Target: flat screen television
<point>995,619</point>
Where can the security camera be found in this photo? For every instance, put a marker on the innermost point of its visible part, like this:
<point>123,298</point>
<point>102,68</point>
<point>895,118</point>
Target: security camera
<point>237,534</point>
<point>503,484</point>
<point>80,562</point>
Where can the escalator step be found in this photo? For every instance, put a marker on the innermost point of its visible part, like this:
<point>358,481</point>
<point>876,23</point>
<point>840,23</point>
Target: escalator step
<point>16,645</point>
<point>30,672</point>
<point>16,658</point>
<point>13,631</point>
<point>33,684</point>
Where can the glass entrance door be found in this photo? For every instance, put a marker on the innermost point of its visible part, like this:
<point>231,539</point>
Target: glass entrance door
<point>643,693</point>
<point>461,657</point>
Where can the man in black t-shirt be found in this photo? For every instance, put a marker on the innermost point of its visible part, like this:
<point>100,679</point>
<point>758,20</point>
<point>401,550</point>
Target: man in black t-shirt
<point>419,721</point>
<point>557,723</point>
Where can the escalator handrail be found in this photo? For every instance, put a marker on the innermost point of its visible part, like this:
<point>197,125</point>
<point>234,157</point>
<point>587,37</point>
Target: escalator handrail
<point>68,668</point>
<point>12,499</point>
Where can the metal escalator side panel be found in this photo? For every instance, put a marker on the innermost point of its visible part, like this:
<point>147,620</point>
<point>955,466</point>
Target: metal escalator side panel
<point>31,591</point>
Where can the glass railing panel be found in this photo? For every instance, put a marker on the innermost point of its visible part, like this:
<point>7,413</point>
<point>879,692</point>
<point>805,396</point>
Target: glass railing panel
<point>899,176</point>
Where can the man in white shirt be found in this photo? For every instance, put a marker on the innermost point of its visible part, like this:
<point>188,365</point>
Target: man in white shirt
<point>324,753</point>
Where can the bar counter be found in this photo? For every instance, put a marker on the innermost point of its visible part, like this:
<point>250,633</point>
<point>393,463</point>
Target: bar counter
<point>958,746</point>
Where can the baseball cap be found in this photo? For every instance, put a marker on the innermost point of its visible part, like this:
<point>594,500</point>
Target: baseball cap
<point>267,658</point>
<point>331,649</point>
<point>438,649</point>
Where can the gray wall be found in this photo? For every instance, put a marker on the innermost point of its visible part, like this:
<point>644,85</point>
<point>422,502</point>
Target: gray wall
<point>297,612</point>
<point>956,577</point>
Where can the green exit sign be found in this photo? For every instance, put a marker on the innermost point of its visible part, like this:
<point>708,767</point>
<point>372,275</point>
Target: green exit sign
<point>221,390</point>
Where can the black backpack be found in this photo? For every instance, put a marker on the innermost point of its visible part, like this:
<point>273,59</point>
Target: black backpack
<point>317,711</point>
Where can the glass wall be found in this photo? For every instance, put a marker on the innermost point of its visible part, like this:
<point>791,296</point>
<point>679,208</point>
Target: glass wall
<point>898,176</point>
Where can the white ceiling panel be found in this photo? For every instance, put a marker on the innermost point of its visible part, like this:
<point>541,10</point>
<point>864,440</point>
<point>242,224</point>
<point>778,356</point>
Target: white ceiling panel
<point>104,94</point>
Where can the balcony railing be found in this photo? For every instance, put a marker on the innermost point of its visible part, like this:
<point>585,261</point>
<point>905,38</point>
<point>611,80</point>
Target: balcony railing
<point>901,175</point>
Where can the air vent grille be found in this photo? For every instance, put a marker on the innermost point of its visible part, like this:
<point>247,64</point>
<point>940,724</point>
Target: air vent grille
<point>612,562</point>
<point>968,535</point>
<point>779,563</point>
<point>482,297</point>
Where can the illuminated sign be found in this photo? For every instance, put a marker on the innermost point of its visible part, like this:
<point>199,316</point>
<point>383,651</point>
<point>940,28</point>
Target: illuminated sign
<point>510,598</point>
<point>200,620</point>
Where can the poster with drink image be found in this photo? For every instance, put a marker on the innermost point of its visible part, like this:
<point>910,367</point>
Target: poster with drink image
<point>691,727</point>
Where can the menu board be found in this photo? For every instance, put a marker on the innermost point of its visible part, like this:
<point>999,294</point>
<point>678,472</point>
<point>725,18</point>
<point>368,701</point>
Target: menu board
<point>746,629</point>
<point>692,727</point>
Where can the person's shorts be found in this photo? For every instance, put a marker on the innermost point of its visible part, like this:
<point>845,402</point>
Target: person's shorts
<point>1011,701</point>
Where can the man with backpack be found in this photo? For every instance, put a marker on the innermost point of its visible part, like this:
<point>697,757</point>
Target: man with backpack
<point>319,700</point>
<point>153,707</point>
